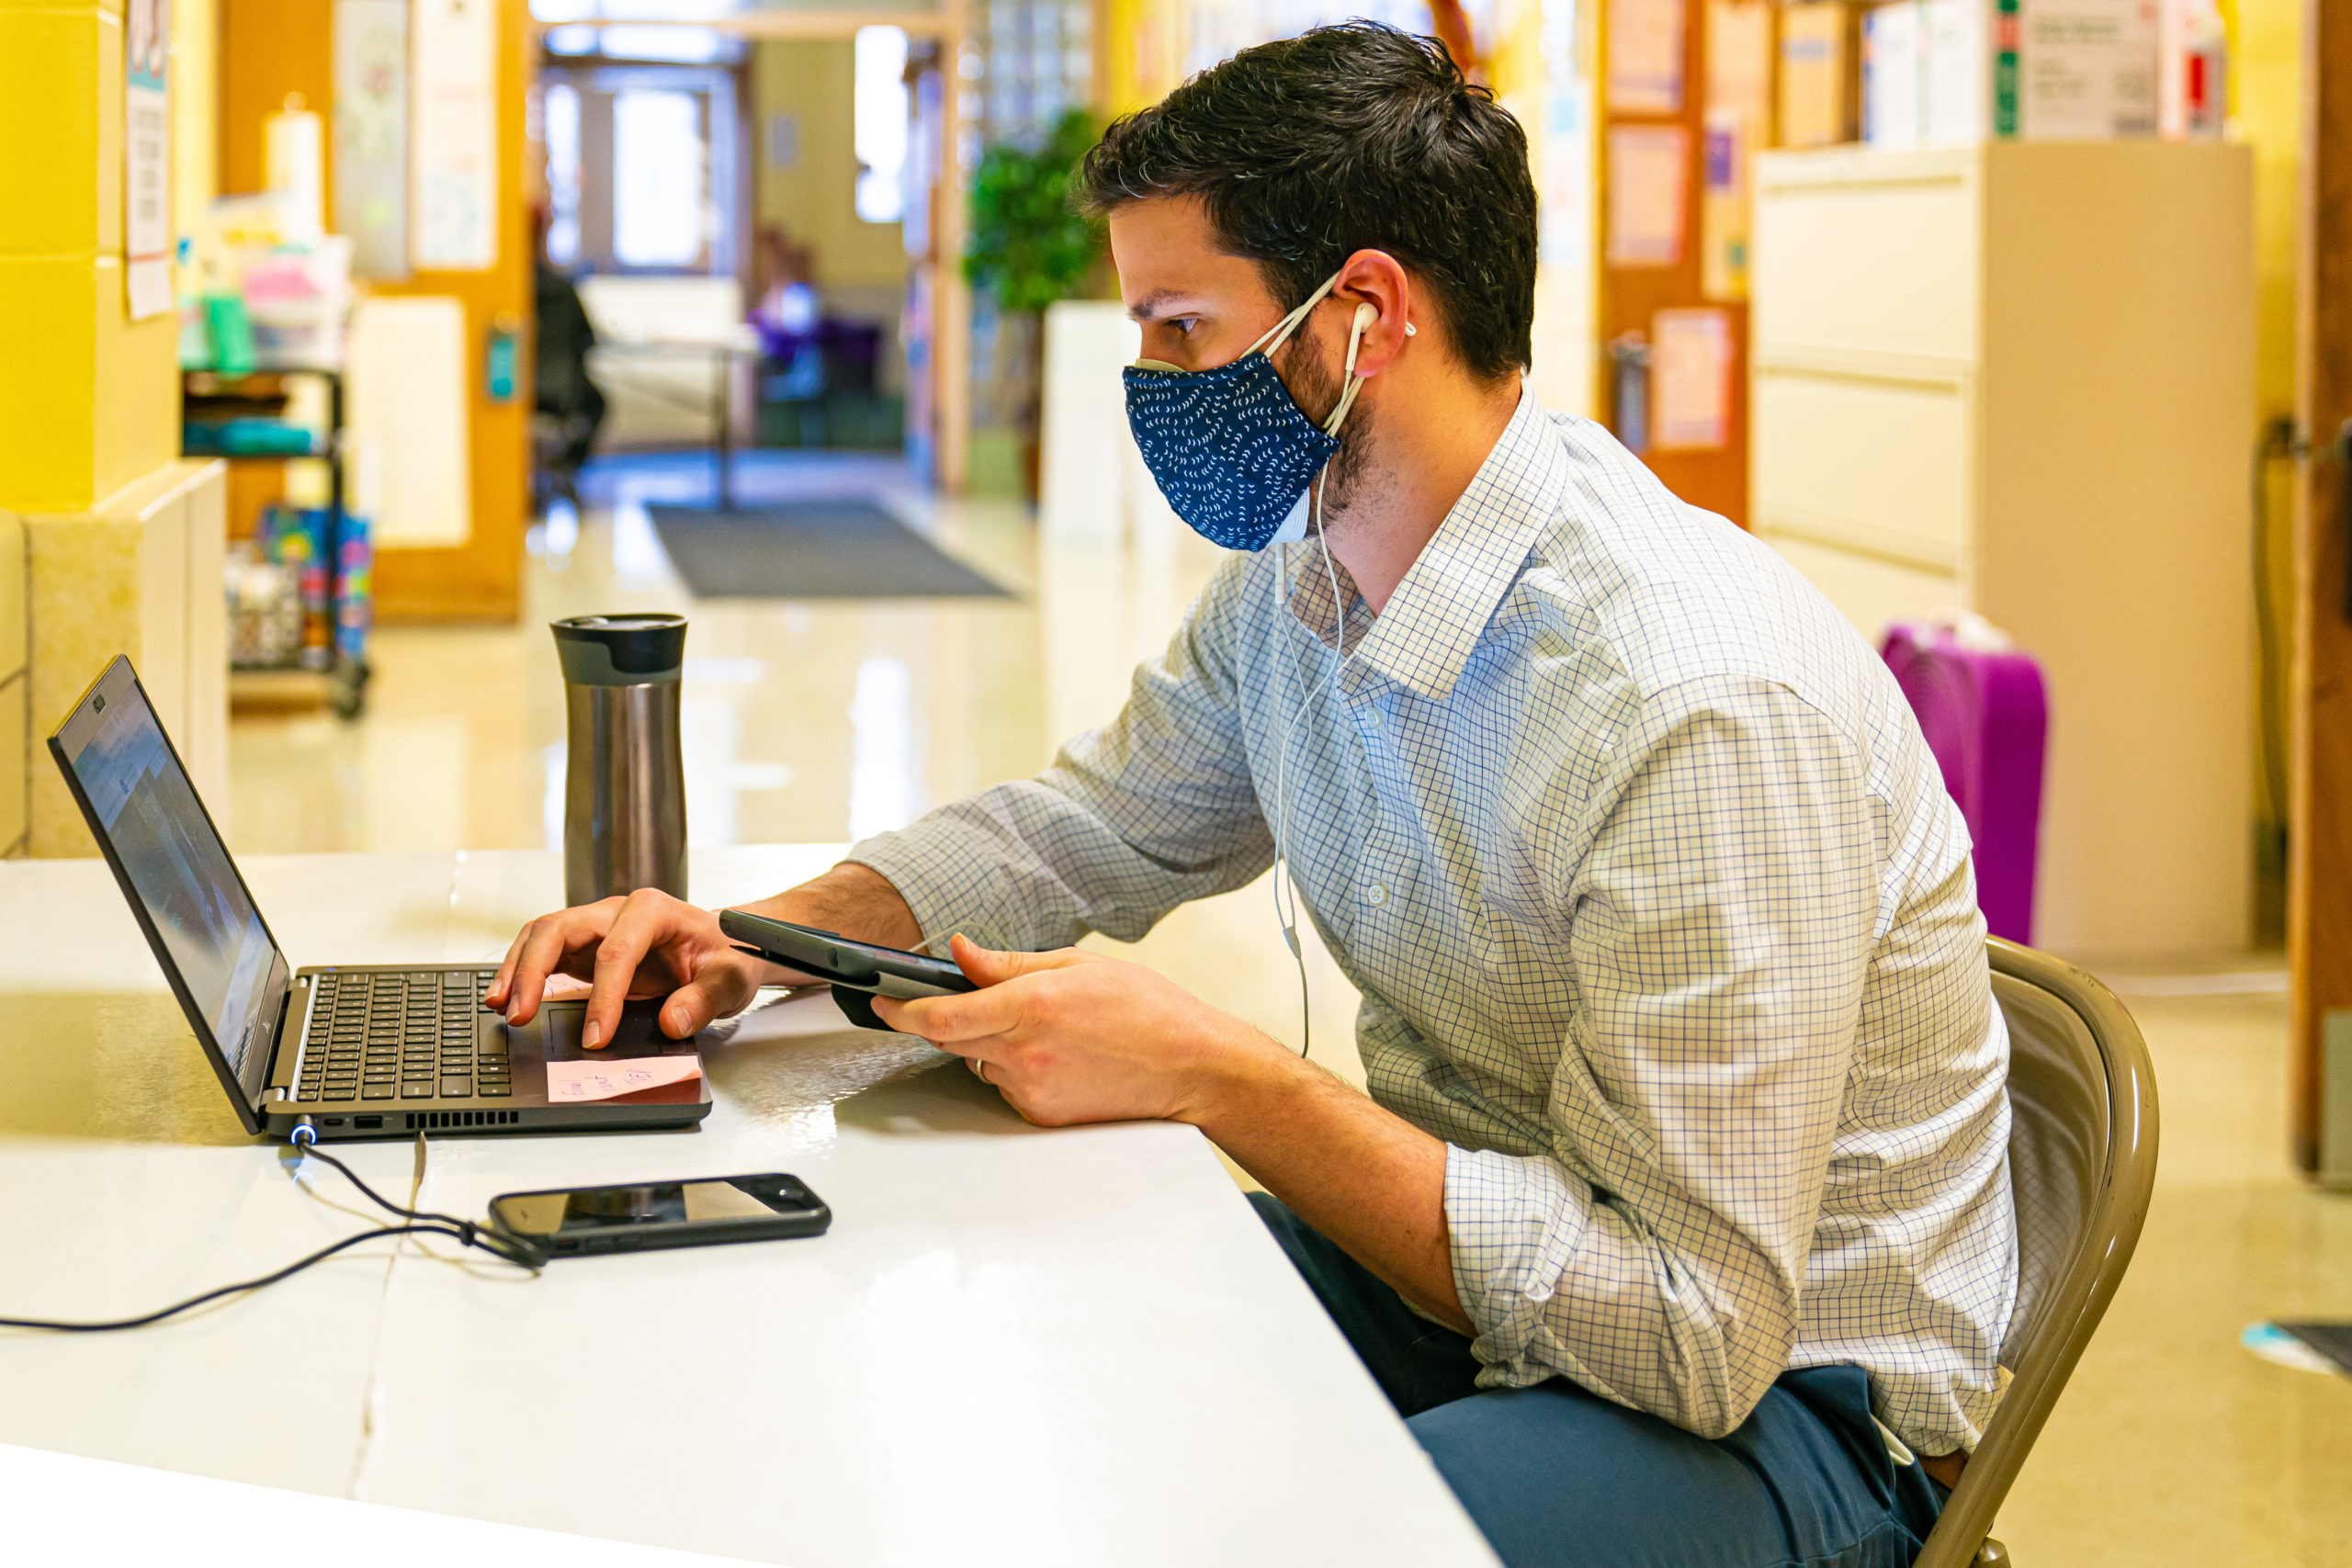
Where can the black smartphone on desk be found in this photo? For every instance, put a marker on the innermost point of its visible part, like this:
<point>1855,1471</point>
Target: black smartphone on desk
<point>641,1216</point>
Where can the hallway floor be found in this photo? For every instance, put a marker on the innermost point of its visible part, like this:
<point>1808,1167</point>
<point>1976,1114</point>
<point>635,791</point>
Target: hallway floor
<point>821,722</point>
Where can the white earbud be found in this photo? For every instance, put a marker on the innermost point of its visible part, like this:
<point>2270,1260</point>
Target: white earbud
<point>1366,314</point>
<point>1412,330</point>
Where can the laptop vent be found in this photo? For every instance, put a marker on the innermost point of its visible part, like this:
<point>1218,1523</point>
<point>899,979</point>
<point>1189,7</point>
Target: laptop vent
<point>434,1120</point>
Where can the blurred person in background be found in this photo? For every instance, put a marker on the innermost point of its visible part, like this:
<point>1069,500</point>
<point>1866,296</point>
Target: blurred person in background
<point>564,393</point>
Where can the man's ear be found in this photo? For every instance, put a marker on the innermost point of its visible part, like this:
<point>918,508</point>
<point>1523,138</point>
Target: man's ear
<point>1379,279</point>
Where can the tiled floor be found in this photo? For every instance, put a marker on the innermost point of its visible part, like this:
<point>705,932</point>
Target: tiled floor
<point>817,722</point>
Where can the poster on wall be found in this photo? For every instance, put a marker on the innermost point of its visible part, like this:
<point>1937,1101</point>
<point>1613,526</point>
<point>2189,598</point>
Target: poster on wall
<point>1690,357</point>
<point>408,419</point>
<point>1649,167</point>
<point>453,189</point>
<point>146,158</point>
<point>371,134</point>
<point>1644,49</point>
<point>1723,205</point>
<point>1738,119</point>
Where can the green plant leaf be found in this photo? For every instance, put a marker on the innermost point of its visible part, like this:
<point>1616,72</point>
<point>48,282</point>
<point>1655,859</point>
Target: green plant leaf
<point>1026,245</point>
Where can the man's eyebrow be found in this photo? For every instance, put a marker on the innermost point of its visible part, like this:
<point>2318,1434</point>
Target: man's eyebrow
<point>1150,305</point>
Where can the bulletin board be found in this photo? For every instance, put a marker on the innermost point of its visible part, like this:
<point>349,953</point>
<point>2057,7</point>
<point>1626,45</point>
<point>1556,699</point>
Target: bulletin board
<point>1686,95</point>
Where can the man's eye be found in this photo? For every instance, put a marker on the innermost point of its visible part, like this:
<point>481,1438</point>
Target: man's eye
<point>1184,324</point>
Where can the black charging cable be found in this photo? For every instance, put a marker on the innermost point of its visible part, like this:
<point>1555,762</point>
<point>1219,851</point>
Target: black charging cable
<point>517,1250</point>
<point>499,1244</point>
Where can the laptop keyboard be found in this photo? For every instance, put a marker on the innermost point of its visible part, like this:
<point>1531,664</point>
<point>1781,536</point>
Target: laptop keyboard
<point>394,1036</point>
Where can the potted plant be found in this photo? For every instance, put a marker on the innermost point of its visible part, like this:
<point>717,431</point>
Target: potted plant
<point>1028,246</point>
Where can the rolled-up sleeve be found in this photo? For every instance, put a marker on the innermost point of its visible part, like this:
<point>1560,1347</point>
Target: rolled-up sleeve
<point>1153,809</point>
<point>1719,934</point>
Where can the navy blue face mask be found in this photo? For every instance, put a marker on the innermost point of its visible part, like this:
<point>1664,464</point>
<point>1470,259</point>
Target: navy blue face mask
<point>1232,452</point>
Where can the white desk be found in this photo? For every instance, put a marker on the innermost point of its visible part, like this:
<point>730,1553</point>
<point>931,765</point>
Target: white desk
<point>1070,1346</point>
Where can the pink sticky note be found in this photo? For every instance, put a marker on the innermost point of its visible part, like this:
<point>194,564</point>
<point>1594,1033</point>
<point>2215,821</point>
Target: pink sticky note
<point>589,1079</point>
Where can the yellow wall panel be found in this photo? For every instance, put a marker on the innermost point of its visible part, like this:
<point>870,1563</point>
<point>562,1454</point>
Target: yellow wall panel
<point>51,90</point>
<point>114,8</point>
<point>110,131</point>
<point>91,401</point>
<point>136,423</point>
<point>47,398</point>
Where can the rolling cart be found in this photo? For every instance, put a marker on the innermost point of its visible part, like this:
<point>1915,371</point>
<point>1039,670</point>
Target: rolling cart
<point>299,638</point>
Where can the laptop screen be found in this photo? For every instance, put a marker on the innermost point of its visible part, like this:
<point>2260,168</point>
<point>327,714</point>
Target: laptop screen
<point>174,863</point>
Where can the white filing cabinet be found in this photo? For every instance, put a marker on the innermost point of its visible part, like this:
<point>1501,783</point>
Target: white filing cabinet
<point>2019,377</point>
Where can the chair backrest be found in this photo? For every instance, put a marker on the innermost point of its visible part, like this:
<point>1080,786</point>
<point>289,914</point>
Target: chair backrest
<point>2082,1163</point>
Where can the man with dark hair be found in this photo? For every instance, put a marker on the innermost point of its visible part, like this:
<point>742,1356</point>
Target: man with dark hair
<point>1678,1221</point>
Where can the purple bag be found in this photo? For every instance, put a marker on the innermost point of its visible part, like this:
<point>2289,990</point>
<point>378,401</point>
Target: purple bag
<point>1985,714</point>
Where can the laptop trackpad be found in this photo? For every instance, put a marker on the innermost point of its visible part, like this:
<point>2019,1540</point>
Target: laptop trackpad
<point>640,1034</point>
<point>641,1064</point>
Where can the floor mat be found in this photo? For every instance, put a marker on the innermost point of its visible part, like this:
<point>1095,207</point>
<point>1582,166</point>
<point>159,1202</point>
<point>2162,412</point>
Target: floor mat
<point>810,550</point>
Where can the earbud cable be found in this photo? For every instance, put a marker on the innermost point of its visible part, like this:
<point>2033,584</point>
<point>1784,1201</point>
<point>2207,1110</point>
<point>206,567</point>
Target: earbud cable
<point>1286,915</point>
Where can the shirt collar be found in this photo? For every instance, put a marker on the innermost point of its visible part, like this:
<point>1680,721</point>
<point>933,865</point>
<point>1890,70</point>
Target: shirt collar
<point>1440,609</point>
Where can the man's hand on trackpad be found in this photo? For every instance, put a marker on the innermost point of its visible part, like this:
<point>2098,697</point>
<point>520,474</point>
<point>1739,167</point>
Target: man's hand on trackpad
<point>647,944</point>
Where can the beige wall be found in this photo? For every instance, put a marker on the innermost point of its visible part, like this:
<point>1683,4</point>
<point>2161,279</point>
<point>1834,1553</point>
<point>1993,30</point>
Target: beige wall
<point>814,201</point>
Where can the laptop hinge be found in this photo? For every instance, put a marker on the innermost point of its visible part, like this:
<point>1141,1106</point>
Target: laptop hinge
<point>272,1093</point>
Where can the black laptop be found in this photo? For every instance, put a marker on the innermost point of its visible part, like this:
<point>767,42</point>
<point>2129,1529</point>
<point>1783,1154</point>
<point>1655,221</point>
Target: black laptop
<point>364,1050</point>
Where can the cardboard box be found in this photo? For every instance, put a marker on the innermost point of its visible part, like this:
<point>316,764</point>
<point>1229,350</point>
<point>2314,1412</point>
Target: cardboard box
<point>1821,74</point>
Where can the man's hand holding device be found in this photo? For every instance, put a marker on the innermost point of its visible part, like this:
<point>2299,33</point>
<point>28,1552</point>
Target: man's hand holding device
<point>1068,1036</point>
<point>1072,1036</point>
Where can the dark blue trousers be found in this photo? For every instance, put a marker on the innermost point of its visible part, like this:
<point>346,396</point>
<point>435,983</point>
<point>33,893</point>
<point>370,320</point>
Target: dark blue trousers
<point>1559,1478</point>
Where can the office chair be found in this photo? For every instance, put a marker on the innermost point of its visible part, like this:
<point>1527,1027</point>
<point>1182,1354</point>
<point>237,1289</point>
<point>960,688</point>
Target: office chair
<point>2082,1161</point>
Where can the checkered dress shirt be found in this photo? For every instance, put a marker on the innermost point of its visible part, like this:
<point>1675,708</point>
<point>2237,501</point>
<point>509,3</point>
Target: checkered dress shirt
<point>1661,915</point>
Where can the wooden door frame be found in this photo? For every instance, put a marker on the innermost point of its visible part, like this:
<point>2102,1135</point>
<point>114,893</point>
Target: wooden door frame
<point>2319,856</point>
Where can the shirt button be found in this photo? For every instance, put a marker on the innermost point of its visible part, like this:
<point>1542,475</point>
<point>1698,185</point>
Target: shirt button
<point>1372,718</point>
<point>1375,894</point>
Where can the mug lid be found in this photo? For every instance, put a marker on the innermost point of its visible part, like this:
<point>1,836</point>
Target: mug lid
<point>631,649</point>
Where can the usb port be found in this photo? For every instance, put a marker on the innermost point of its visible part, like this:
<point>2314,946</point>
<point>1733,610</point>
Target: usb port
<point>365,1121</point>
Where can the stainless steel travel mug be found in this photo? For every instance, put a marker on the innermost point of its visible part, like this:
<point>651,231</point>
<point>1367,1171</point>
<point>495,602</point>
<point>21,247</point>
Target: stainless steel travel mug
<point>625,787</point>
